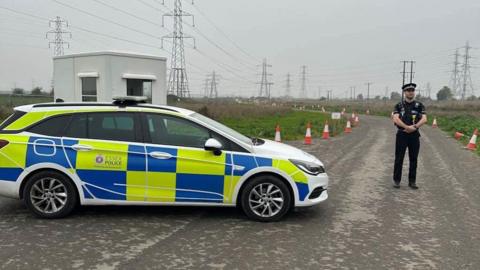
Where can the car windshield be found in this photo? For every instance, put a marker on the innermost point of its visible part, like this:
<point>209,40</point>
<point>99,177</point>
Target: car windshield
<point>222,128</point>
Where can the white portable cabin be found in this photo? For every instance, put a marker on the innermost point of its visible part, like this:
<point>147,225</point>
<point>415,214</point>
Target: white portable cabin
<point>100,76</point>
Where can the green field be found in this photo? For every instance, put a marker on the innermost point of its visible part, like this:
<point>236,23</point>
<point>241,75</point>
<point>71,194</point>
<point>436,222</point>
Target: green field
<point>15,100</point>
<point>293,125</point>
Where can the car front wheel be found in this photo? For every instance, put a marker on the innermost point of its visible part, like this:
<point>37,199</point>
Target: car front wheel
<point>50,195</point>
<point>266,198</point>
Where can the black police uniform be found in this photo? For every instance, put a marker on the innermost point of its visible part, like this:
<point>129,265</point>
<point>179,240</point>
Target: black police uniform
<point>410,113</point>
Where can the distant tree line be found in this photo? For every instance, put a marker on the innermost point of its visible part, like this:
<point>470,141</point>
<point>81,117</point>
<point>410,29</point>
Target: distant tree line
<point>36,91</point>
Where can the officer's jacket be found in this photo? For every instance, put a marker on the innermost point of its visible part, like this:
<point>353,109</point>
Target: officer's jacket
<point>410,112</point>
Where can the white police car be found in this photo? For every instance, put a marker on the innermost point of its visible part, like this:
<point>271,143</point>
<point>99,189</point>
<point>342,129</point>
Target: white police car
<point>55,156</point>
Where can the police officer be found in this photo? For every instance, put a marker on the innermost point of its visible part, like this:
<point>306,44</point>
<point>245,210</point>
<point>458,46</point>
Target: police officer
<point>408,116</point>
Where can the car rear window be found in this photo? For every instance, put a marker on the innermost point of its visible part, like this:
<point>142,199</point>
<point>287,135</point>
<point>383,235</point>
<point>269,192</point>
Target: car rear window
<point>12,118</point>
<point>51,127</point>
<point>104,126</point>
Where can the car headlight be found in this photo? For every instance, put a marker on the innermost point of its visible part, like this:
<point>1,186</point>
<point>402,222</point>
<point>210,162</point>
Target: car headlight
<point>308,167</point>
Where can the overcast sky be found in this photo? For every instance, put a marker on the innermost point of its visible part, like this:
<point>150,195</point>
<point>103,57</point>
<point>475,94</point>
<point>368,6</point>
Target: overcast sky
<point>343,43</point>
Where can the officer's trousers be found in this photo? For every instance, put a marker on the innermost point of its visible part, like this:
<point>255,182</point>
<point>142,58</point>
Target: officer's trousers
<point>404,141</point>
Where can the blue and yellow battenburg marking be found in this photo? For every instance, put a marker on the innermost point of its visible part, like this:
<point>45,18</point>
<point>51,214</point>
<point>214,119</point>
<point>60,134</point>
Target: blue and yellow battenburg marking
<point>122,171</point>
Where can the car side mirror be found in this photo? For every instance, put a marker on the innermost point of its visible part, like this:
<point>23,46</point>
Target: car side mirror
<point>213,145</point>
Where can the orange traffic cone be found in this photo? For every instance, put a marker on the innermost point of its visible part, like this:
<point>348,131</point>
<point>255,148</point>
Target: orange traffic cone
<point>472,145</point>
<point>308,135</point>
<point>357,121</point>
<point>277,133</point>
<point>353,115</point>
<point>458,135</point>
<point>326,132</point>
<point>348,129</point>
<point>434,124</point>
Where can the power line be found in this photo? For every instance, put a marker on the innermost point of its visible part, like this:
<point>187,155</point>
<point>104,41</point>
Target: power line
<point>368,89</point>
<point>455,80</point>
<point>91,32</point>
<point>58,32</point>
<point>127,13</point>
<point>105,19</point>
<point>466,79</point>
<point>225,66</point>
<point>288,86</point>
<point>303,83</point>
<point>211,85</point>
<point>222,65</point>
<point>265,84</point>
<point>237,60</point>
<point>224,34</point>
<point>219,47</point>
<point>178,79</point>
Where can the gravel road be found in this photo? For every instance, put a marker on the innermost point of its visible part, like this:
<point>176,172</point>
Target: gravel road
<point>365,224</point>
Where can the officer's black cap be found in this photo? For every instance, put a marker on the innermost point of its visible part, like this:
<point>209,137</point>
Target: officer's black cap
<point>409,86</point>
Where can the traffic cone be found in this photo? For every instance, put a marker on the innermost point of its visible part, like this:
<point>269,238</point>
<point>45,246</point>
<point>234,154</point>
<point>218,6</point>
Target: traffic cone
<point>353,115</point>
<point>348,129</point>
<point>357,121</point>
<point>326,132</point>
<point>277,133</point>
<point>472,145</point>
<point>434,124</point>
<point>458,135</point>
<point>308,135</point>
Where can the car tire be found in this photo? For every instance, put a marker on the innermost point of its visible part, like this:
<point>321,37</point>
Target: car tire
<point>266,198</point>
<point>50,194</point>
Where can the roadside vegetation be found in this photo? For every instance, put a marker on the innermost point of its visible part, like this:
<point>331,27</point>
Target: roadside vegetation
<point>260,120</point>
<point>465,124</point>
<point>10,101</point>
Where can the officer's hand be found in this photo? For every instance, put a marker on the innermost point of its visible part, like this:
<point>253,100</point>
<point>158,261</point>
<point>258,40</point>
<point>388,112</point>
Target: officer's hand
<point>410,129</point>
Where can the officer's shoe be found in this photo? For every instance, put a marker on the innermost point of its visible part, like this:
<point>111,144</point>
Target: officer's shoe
<point>413,186</point>
<point>396,184</point>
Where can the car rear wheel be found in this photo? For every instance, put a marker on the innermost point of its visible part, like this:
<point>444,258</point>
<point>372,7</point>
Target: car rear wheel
<point>50,195</point>
<point>266,198</point>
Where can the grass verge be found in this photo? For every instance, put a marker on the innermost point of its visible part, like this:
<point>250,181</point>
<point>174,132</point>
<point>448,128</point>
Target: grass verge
<point>465,124</point>
<point>292,124</point>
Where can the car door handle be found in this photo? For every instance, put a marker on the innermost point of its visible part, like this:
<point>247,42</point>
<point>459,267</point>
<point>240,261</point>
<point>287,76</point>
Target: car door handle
<point>82,147</point>
<point>160,155</point>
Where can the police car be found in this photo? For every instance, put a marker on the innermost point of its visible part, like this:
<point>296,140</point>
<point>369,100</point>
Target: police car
<point>56,156</point>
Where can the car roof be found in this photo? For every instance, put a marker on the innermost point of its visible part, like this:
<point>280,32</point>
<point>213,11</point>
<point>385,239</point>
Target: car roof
<point>100,106</point>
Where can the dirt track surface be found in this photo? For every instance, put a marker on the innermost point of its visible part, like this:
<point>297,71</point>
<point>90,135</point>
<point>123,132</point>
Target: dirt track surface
<point>365,224</point>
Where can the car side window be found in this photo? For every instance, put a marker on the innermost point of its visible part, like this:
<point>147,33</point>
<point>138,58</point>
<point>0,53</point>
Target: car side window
<point>111,126</point>
<point>104,126</point>
<point>77,127</point>
<point>51,127</point>
<point>170,130</point>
